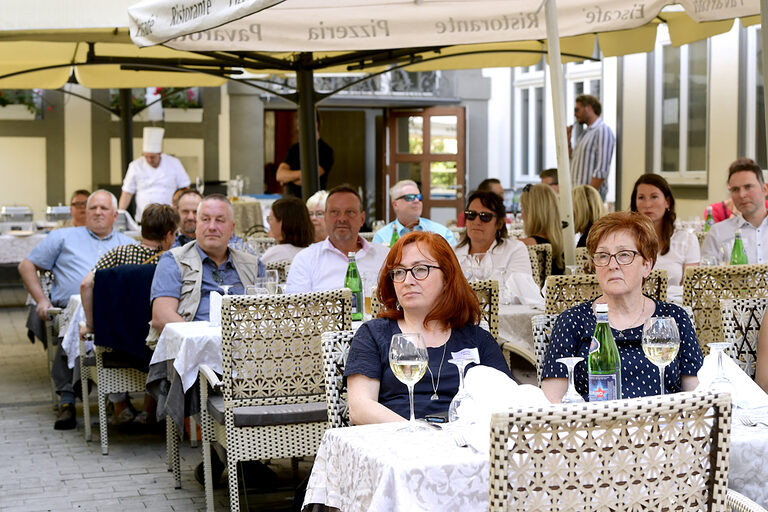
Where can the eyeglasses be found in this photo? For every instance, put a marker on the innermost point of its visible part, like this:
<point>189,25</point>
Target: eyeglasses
<point>79,204</point>
<point>602,259</point>
<point>484,216</point>
<point>319,215</point>
<point>409,198</point>
<point>419,272</point>
<point>527,187</point>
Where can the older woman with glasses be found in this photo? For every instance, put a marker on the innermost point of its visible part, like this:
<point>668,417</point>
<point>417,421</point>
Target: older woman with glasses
<point>623,247</point>
<point>316,207</point>
<point>422,290</point>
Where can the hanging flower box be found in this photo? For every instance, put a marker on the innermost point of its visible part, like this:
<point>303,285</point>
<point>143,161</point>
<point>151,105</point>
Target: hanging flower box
<point>180,115</point>
<point>16,112</point>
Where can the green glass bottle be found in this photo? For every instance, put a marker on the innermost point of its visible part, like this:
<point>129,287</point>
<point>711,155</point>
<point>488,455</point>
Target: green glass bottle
<point>710,221</point>
<point>604,363</point>
<point>395,236</point>
<point>738,255</point>
<point>354,283</point>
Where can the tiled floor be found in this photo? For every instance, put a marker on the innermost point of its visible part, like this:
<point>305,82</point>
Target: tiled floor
<point>45,469</point>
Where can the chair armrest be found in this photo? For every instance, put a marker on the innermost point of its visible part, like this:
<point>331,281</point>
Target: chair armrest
<point>740,503</point>
<point>211,377</point>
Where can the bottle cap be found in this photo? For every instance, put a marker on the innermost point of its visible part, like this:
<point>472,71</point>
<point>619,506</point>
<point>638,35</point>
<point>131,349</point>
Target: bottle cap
<point>351,255</point>
<point>601,308</point>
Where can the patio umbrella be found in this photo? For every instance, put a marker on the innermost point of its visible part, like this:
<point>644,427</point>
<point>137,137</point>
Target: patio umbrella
<point>304,36</point>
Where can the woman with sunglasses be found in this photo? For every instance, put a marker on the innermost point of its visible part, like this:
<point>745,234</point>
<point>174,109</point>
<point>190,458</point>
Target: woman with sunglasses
<point>623,248</point>
<point>541,222</point>
<point>421,289</point>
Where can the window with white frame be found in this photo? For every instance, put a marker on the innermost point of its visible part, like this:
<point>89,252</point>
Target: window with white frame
<point>753,144</point>
<point>533,126</point>
<point>679,91</point>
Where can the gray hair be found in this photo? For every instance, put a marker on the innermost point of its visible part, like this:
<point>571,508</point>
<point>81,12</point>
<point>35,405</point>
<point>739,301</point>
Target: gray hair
<point>111,195</point>
<point>218,197</point>
<point>317,200</point>
<point>394,192</point>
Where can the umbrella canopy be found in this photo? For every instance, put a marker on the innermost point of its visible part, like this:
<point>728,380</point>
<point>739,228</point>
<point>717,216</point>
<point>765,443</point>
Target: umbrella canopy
<point>424,34</point>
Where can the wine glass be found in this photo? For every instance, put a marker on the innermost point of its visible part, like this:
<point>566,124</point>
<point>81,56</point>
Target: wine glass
<point>461,394</point>
<point>571,396</point>
<point>661,342</point>
<point>720,382</point>
<point>226,288</point>
<point>271,277</point>
<point>199,184</point>
<point>408,359</point>
<point>573,269</point>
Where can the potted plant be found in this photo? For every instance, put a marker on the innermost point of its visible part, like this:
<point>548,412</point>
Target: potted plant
<point>138,102</point>
<point>20,104</point>
<point>182,106</point>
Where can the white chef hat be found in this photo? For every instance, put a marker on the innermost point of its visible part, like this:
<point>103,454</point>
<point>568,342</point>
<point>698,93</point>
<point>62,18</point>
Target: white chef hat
<point>153,139</point>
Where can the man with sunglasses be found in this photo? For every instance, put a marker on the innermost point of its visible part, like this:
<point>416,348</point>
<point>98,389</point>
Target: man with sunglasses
<point>406,202</point>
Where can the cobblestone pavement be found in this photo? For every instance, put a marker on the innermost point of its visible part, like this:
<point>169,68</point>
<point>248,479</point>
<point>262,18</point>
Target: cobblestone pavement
<point>45,469</point>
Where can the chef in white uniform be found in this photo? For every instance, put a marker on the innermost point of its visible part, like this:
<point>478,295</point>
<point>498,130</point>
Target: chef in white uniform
<point>154,177</point>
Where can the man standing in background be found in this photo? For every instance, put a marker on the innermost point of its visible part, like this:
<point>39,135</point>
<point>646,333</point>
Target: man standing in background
<point>591,156</point>
<point>154,177</point>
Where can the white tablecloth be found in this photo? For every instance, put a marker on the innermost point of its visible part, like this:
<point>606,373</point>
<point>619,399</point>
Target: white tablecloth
<point>69,325</point>
<point>377,468</point>
<point>515,327</point>
<point>189,344</point>
<point>13,249</point>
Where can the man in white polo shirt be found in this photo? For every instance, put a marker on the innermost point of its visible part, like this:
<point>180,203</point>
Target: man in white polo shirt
<point>154,177</point>
<point>323,265</point>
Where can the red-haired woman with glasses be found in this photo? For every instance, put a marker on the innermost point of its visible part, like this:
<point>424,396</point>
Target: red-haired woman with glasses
<point>421,289</point>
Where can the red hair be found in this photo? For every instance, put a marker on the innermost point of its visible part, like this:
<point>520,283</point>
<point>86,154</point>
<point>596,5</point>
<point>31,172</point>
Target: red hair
<point>458,304</point>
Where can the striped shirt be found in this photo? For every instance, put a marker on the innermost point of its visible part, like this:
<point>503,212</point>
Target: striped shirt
<point>592,155</point>
<point>126,255</point>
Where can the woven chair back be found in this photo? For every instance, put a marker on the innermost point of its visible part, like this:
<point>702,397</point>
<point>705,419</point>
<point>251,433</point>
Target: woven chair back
<point>271,347</point>
<point>654,453</point>
<point>335,351</point>
<point>261,243</point>
<point>701,236</point>
<point>487,292</point>
<point>282,268</point>
<point>542,333</point>
<point>583,261</point>
<point>703,287</point>
<point>741,326</point>
<point>564,292</point>
<point>541,262</point>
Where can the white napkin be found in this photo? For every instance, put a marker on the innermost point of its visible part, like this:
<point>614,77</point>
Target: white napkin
<point>492,391</point>
<point>215,309</point>
<point>746,394</point>
<point>522,289</point>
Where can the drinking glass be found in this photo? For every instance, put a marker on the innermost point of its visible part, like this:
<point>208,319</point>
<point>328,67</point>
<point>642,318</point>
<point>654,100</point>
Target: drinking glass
<point>573,269</point>
<point>571,396</point>
<point>259,287</point>
<point>271,277</point>
<point>408,359</point>
<point>720,382</point>
<point>661,342</point>
<point>199,184</point>
<point>461,394</point>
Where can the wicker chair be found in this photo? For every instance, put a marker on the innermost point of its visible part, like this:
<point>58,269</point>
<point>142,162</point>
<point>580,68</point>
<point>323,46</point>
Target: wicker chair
<point>282,268</point>
<point>567,291</point>
<point>583,261</point>
<point>273,403</point>
<point>655,453</point>
<point>701,236</point>
<point>51,341</point>
<point>541,262</point>
<point>261,243</point>
<point>542,333</point>
<point>335,350</point>
<point>703,287</point>
<point>741,325</point>
<point>117,372</point>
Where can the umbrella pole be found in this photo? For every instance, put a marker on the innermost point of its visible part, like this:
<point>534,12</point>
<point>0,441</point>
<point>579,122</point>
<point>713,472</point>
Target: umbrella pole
<point>305,85</point>
<point>557,85</point>
<point>764,42</point>
<point>126,129</point>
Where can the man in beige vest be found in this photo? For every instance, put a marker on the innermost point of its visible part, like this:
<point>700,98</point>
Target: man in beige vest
<point>186,275</point>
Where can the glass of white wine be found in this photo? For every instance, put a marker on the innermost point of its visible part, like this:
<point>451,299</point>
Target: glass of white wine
<point>661,342</point>
<point>272,280</point>
<point>408,359</point>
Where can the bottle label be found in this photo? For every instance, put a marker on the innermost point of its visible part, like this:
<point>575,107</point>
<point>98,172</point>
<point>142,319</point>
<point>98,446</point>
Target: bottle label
<point>602,387</point>
<point>595,345</point>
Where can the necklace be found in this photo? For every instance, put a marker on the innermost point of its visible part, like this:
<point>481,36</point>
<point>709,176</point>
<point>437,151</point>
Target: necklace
<point>631,325</point>
<point>439,370</point>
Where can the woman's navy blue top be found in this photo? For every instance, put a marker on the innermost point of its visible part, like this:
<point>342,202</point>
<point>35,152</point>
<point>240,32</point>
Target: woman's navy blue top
<point>369,356</point>
<point>572,334</point>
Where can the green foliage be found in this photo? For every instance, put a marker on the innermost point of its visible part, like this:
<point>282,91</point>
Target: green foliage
<point>28,97</point>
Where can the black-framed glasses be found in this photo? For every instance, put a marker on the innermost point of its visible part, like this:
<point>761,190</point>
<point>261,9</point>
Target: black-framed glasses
<point>484,216</point>
<point>527,187</point>
<point>409,198</point>
<point>602,259</point>
<point>419,272</point>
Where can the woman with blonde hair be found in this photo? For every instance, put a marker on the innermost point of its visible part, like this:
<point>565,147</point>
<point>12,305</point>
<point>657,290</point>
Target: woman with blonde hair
<point>316,207</point>
<point>541,222</point>
<point>587,208</point>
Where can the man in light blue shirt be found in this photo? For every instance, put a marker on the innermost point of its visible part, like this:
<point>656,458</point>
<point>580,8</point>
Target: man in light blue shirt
<point>406,202</point>
<point>71,253</point>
